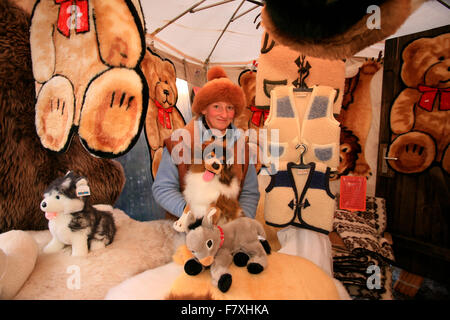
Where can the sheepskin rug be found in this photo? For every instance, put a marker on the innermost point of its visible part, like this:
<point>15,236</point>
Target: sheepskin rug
<point>138,246</point>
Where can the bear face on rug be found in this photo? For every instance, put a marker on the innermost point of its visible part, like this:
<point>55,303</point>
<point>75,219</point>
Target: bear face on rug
<point>26,168</point>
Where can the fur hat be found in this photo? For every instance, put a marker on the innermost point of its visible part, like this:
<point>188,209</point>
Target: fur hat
<point>219,88</point>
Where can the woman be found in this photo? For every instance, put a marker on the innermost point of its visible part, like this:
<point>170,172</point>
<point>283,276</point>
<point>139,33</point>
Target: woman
<point>215,107</point>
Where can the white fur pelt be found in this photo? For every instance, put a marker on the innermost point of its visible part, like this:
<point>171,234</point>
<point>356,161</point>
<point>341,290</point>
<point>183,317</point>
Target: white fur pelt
<point>137,246</point>
<point>153,284</point>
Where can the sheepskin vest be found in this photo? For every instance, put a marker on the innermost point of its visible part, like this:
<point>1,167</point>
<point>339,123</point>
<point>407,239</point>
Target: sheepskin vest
<point>240,164</point>
<point>300,196</point>
<point>304,118</point>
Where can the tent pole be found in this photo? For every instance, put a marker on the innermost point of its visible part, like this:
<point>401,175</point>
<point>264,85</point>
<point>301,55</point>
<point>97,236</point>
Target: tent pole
<point>259,3</point>
<point>244,13</point>
<point>176,18</point>
<point>210,6</point>
<point>223,31</point>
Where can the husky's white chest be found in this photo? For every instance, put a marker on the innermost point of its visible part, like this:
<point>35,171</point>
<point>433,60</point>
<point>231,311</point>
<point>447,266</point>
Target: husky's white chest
<point>200,194</point>
<point>59,228</point>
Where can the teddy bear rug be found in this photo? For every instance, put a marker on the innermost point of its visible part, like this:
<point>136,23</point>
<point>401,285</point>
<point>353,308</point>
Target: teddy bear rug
<point>137,246</point>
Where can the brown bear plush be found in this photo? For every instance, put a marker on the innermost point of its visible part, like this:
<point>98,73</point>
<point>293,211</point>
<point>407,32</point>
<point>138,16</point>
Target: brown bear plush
<point>162,117</point>
<point>419,116</point>
<point>26,168</point>
<point>85,59</point>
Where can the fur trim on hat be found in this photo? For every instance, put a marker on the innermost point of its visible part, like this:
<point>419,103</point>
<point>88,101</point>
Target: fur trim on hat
<point>219,88</point>
<point>332,29</point>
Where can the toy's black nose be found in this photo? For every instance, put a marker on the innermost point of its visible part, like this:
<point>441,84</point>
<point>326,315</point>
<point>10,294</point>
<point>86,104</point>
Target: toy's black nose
<point>166,92</point>
<point>215,166</point>
<point>43,204</point>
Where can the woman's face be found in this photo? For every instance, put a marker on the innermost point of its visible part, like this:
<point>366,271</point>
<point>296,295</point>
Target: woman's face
<point>219,115</point>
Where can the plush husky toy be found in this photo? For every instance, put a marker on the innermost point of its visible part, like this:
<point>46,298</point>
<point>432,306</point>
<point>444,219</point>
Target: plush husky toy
<point>217,247</point>
<point>72,218</point>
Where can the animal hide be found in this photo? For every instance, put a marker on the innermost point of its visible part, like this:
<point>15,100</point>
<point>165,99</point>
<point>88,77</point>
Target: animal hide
<point>355,119</point>
<point>163,117</point>
<point>300,278</point>
<point>86,57</point>
<point>334,29</point>
<point>420,115</point>
<point>26,168</point>
<point>137,246</point>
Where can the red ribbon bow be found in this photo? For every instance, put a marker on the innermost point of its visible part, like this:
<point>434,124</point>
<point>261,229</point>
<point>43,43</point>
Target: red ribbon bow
<point>429,95</point>
<point>81,10</point>
<point>257,114</point>
<point>222,236</point>
<point>164,115</point>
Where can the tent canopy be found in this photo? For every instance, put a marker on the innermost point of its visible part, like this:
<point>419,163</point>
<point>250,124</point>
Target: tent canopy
<point>227,32</point>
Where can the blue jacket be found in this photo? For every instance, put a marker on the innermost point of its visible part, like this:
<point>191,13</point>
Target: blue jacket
<point>166,187</point>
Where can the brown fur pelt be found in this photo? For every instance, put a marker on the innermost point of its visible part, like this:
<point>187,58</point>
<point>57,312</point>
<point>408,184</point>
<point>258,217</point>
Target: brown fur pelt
<point>333,29</point>
<point>161,77</point>
<point>420,131</point>
<point>356,117</point>
<point>26,168</point>
<point>247,81</point>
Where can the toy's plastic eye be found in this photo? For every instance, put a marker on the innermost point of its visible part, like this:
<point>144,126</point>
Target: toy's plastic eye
<point>209,243</point>
<point>57,197</point>
<point>441,58</point>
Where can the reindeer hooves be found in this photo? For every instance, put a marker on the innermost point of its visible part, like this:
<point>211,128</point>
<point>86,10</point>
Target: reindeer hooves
<point>240,259</point>
<point>255,268</point>
<point>225,282</point>
<point>192,267</point>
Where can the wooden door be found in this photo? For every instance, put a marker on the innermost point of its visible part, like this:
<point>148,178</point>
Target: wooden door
<point>418,204</point>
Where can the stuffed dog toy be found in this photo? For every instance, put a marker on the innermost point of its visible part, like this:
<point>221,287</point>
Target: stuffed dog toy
<point>72,219</point>
<point>211,184</point>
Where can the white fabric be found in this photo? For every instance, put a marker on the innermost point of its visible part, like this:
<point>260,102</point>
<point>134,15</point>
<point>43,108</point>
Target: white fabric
<point>314,246</point>
<point>311,245</point>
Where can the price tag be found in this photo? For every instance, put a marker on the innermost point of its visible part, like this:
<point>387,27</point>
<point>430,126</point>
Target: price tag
<point>353,193</point>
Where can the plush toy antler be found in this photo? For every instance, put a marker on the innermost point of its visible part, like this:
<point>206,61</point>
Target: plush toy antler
<point>215,246</point>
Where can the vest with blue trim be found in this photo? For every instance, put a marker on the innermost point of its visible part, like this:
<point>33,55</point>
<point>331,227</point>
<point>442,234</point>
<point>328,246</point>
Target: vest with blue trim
<point>304,118</point>
<point>300,196</point>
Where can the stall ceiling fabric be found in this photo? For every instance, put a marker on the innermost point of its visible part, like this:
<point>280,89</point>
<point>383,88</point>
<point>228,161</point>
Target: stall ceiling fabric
<point>194,35</point>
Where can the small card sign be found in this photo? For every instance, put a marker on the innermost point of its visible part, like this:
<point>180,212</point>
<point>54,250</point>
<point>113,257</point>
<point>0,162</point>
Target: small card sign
<point>353,193</point>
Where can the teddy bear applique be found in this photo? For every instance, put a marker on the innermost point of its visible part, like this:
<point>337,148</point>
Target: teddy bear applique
<point>419,116</point>
<point>86,57</point>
